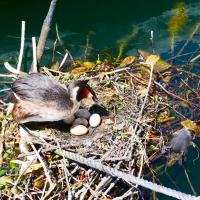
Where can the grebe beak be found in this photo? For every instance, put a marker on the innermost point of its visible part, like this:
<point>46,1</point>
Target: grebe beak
<point>96,100</point>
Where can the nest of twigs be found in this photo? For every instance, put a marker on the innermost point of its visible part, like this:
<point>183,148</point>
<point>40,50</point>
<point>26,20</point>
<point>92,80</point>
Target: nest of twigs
<point>146,107</point>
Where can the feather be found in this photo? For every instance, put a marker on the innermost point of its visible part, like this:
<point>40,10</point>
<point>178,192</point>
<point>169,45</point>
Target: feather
<point>39,88</point>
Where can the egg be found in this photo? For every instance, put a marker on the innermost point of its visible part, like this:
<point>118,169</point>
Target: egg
<point>94,120</point>
<point>78,130</point>
<point>82,113</point>
<point>80,121</point>
<point>69,120</point>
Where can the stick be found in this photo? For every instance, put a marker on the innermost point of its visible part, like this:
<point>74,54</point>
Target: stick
<point>189,39</point>
<point>21,47</point>
<point>45,30</point>
<point>53,51</point>
<point>108,73</point>
<point>46,171</point>
<point>176,96</point>
<point>64,59</point>
<point>34,66</point>
<point>63,46</point>
<point>195,58</point>
<point>10,68</point>
<point>8,75</point>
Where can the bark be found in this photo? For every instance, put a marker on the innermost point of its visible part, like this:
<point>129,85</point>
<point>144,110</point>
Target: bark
<point>45,30</point>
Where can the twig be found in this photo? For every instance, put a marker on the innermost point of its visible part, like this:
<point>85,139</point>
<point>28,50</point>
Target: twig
<point>190,88</point>
<point>23,170</point>
<point>189,39</point>
<point>190,184</point>
<point>6,89</point>
<point>64,59</point>
<point>63,46</point>
<point>21,47</point>
<point>66,172</point>
<point>2,141</point>
<point>152,40</point>
<point>110,187</point>
<point>108,73</point>
<point>10,68</point>
<point>8,75</point>
<point>87,45</point>
<point>178,113</point>
<point>104,181</point>
<point>125,195</point>
<point>171,94</point>
<point>185,54</point>
<point>44,188</point>
<point>59,38</point>
<point>53,51</point>
<point>7,65</point>
<point>141,165</point>
<point>195,58</point>
<point>45,30</point>
<point>43,165</point>
<point>187,72</point>
<point>81,193</point>
<point>34,66</point>
<point>133,133</point>
<point>143,105</point>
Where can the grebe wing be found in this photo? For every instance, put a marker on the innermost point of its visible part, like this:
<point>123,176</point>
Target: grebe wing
<point>39,88</point>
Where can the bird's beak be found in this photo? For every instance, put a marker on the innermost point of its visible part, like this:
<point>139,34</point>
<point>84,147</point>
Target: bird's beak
<point>95,99</point>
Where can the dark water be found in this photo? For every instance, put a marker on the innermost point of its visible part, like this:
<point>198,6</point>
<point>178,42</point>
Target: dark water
<point>104,23</point>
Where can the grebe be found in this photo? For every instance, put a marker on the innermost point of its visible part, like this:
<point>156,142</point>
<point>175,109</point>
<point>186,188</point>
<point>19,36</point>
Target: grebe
<point>39,98</point>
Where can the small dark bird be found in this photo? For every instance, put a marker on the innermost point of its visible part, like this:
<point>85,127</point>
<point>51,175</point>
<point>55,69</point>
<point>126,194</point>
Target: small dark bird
<point>39,98</point>
<point>181,141</point>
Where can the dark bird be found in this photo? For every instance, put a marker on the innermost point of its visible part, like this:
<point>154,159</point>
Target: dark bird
<point>39,98</point>
<point>181,141</point>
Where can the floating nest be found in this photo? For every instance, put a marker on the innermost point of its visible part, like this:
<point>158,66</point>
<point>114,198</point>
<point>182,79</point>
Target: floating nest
<point>148,102</point>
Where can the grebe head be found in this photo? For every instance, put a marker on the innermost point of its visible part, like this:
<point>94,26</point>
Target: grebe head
<point>79,90</point>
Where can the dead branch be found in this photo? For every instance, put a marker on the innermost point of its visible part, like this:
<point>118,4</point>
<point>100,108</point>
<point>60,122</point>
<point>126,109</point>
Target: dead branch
<point>45,30</point>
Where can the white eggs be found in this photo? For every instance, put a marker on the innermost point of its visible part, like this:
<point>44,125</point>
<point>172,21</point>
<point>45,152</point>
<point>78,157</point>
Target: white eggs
<point>82,120</point>
<point>79,130</point>
<point>94,120</point>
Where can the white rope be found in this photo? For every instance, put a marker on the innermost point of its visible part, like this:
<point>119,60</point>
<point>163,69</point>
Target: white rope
<point>132,179</point>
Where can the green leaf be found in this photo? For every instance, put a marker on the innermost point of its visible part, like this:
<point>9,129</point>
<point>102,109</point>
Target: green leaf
<point>2,172</point>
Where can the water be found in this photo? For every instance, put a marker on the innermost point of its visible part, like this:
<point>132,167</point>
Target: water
<point>104,23</point>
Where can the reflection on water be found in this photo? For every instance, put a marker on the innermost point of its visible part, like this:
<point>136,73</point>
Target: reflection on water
<point>104,24</point>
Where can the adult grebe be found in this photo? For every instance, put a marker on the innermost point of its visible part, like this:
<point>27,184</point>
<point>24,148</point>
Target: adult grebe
<point>38,98</point>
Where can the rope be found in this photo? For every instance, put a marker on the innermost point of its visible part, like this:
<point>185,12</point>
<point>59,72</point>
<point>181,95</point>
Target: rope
<point>119,174</point>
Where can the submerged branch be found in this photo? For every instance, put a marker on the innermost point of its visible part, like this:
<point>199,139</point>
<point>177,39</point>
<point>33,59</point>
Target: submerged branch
<point>189,39</point>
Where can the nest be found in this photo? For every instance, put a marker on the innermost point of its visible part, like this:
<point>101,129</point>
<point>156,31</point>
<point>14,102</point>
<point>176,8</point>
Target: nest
<point>146,107</point>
